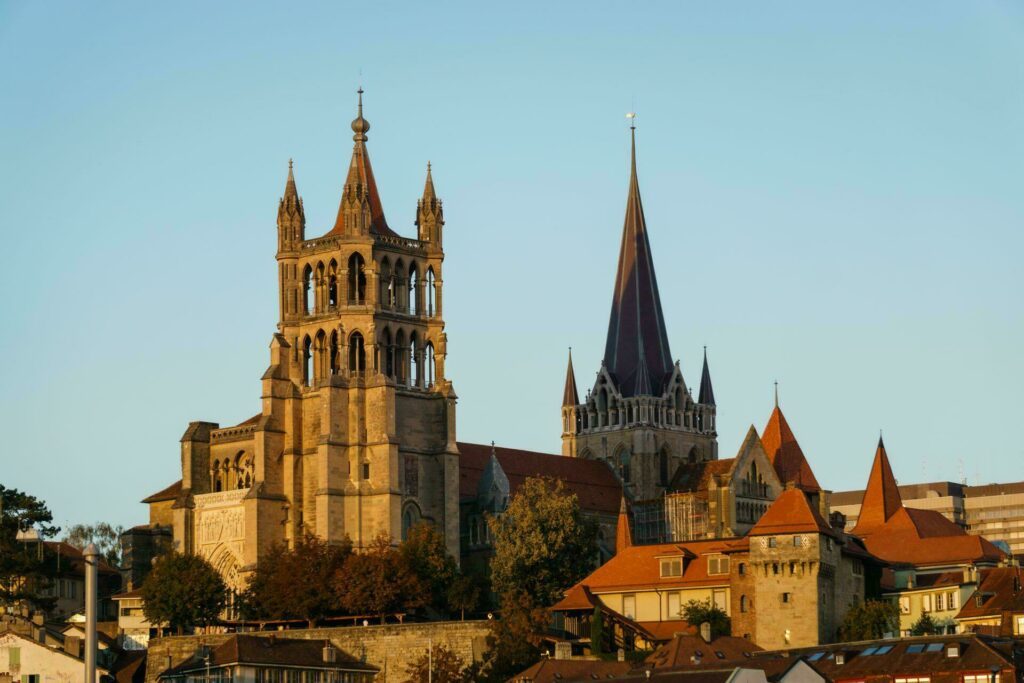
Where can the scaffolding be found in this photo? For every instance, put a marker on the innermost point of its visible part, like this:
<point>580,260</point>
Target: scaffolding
<point>676,517</point>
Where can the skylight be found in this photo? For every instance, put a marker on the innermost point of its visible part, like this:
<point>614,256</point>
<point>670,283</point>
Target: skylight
<point>816,656</point>
<point>884,649</point>
<point>869,651</point>
<point>915,649</point>
<point>934,647</point>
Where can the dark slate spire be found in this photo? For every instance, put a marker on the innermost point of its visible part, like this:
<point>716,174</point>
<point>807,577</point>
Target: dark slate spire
<point>570,397</point>
<point>360,182</point>
<point>707,394</point>
<point>637,342</point>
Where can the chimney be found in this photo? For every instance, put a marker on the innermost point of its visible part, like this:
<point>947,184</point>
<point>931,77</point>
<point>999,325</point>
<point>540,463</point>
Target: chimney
<point>38,618</point>
<point>840,658</point>
<point>330,654</point>
<point>73,646</point>
<point>705,631</point>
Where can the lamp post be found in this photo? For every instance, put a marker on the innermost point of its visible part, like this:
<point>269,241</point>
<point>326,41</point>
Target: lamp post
<point>91,558</point>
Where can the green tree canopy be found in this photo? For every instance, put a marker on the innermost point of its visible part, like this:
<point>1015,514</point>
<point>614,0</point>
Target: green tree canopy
<point>925,626</point>
<point>25,572</point>
<point>377,582</point>
<point>183,591</point>
<point>542,543</point>
<point>424,553</point>
<point>441,665</point>
<point>463,595</point>
<point>289,583</point>
<point>870,620</point>
<point>107,539</point>
<point>697,612</point>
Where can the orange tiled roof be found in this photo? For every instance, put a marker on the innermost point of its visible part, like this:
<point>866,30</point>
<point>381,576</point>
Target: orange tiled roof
<point>791,513</point>
<point>578,597</point>
<point>696,476</point>
<point>785,454</point>
<point>680,651</point>
<point>1001,590</point>
<point>169,493</point>
<point>593,482</point>
<point>903,535</point>
<point>881,497</point>
<point>638,567</point>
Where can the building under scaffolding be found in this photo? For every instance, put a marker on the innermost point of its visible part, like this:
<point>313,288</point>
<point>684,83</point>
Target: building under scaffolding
<point>673,518</point>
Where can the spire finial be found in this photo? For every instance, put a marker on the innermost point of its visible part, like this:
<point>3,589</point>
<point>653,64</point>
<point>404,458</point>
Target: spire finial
<point>360,126</point>
<point>776,393</point>
<point>289,163</point>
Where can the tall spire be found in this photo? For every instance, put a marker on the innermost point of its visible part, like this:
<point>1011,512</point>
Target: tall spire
<point>429,213</point>
<point>882,496</point>
<point>636,328</point>
<point>707,393</point>
<point>360,198</point>
<point>570,397</point>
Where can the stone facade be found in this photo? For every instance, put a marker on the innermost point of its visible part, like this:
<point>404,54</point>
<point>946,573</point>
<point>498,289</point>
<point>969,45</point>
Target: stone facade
<point>356,434</point>
<point>392,647</point>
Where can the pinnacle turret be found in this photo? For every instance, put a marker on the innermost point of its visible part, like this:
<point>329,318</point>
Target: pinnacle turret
<point>429,212</point>
<point>291,218</point>
<point>707,393</point>
<point>570,397</point>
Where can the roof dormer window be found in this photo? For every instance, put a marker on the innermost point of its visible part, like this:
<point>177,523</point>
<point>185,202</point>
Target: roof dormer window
<point>671,567</point>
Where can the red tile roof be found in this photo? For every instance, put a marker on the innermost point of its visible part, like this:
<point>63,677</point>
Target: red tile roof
<point>563,670</point>
<point>785,454</point>
<point>691,477</point>
<point>169,493</point>
<point>593,482</point>
<point>1001,590</point>
<point>881,497</point>
<point>791,513</point>
<point>681,651</point>
<point>903,535</point>
<point>639,567</point>
<point>74,558</point>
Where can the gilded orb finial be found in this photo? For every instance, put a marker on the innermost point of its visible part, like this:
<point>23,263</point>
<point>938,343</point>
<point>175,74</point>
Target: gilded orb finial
<point>360,126</point>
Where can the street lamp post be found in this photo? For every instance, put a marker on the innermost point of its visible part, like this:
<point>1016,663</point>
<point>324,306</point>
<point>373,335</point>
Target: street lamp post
<point>91,559</point>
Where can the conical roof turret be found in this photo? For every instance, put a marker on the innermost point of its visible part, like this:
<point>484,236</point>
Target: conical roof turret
<point>360,185</point>
<point>882,496</point>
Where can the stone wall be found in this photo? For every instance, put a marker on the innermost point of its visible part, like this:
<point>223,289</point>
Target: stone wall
<point>392,647</point>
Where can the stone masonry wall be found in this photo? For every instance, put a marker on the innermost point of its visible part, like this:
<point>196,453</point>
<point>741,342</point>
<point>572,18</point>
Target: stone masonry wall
<point>392,647</point>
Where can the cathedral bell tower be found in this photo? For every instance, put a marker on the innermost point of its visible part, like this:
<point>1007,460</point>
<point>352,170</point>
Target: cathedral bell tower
<point>357,384</point>
<point>640,416</point>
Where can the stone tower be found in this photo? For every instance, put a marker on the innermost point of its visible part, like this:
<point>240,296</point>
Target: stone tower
<point>640,416</point>
<point>356,435</point>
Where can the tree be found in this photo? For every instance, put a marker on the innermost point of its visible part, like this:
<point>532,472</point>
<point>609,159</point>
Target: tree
<point>542,544</point>
<point>377,582</point>
<point>107,539</point>
<point>925,626</point>
<point>424,554</point>
<point>870,620</point>
<point>697,612</point>
<point>441,665</point>
<point>183,591</point>
<point>25,572</point>
<point>463,595</point>
<point>514,639</point>
<point>289,583</point>
<point>596,632</point>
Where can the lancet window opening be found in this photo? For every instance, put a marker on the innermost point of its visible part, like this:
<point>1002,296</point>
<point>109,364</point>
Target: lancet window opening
<point>356,355</point>
<point>307,283</point>
<point>307,361</point>
<point>356,279</point>
<point>399,291</point>
<point>332,285</point>
<point>401,358</point>
<point>429,365</point>
<point>431,292</point>
<point>414,289</point>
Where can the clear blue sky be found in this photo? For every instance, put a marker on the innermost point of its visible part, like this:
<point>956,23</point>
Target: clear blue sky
<point>833,190</point>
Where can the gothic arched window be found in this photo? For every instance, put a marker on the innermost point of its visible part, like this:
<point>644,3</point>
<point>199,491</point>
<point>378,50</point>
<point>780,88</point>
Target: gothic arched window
<point>356,279</point>
<point>356,355</point>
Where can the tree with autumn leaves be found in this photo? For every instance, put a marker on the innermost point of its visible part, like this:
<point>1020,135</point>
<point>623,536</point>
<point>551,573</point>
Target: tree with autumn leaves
<point>315,579</point>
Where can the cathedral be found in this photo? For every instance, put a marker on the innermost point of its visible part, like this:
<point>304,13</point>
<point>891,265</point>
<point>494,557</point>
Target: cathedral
<point>356,434</point>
